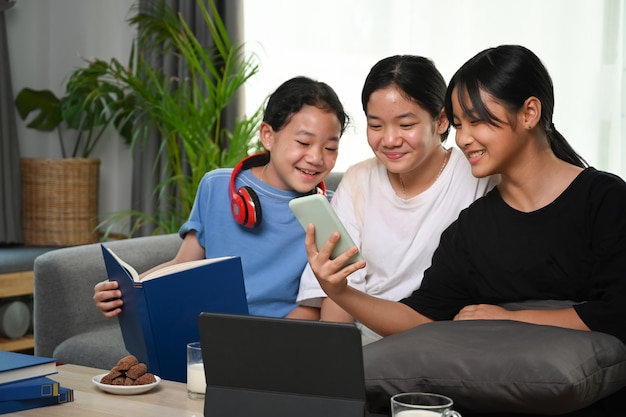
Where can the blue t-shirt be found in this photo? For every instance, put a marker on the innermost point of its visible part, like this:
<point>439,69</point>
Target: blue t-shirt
<point>272,254</point>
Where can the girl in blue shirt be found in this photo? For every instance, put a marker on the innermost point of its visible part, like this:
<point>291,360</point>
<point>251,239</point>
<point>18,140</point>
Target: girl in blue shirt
<point>244,211</point>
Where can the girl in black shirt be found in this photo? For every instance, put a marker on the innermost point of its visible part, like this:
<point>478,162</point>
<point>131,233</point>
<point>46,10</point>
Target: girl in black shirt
<point>552,229</point>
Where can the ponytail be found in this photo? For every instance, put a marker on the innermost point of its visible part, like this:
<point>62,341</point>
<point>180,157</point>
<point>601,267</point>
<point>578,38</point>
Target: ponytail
<point>562,149</point>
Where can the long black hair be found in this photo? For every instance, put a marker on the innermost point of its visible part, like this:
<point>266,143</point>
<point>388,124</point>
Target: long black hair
<point>510,74</point>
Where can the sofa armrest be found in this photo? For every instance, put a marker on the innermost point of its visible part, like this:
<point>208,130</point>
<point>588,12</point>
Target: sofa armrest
<point>64,282</point>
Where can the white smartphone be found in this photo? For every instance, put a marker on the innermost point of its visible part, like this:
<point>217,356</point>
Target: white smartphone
<point>315,209</point>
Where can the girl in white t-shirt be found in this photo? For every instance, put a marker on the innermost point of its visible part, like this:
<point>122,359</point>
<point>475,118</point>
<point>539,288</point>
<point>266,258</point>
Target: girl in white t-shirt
<point>396,205</point>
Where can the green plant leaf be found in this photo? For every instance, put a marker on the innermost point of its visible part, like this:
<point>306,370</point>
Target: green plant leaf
<point>187,110</point>
<point>45,103</point>
<point>93,101</point>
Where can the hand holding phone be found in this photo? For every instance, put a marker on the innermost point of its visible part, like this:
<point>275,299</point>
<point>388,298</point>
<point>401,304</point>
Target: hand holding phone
<point>315,209</point>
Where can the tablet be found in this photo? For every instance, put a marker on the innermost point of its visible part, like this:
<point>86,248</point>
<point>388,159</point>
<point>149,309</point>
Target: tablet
<point>277,367</point>
<point>315,209</point>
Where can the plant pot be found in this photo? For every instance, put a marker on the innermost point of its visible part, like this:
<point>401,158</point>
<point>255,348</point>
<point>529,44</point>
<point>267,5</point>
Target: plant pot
<point>60,201</point>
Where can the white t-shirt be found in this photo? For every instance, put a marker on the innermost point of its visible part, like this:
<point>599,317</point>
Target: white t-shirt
<point>396,237</point>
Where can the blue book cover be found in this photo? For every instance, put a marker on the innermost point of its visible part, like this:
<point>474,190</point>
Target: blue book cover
<point>66,395</point>
<point>160,315</point>
<point>16,366</point>
<point>29,389</point>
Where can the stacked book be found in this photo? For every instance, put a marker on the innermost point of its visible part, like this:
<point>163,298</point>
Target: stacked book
<point>25,383</point>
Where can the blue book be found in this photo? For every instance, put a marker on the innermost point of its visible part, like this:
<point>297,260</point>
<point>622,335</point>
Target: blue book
<point>66,395</point>
<point>18,366</point>
<point>29,389</point>
<point>160,313</point>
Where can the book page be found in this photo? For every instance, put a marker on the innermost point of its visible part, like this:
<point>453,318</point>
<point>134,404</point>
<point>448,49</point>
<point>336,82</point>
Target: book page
<point>133,273</point>
<point>182,267</point>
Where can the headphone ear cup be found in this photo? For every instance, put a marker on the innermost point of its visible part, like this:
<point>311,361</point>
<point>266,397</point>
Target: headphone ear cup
<point>238,208</point>
<point>251,207</point>
<point>245,205</point>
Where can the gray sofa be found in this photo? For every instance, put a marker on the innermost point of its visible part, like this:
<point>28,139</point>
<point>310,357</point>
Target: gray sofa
<point>67,324</point>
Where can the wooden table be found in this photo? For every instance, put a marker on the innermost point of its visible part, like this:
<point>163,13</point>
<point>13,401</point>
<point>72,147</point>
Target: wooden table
<point>167,399</point>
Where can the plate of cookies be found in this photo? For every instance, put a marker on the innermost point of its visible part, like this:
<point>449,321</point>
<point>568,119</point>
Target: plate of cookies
<point>127,377</point>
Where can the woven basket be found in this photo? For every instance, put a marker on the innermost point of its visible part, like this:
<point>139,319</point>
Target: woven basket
<point>60,201</point>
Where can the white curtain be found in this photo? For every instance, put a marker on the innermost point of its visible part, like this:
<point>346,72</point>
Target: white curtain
<point>581,42</point>
<point>609,116</point>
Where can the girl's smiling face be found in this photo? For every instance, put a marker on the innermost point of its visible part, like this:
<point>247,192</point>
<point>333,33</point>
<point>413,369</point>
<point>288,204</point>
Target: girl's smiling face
<point>304,151</point>
<point>401,133</point>
<point>490,149</point>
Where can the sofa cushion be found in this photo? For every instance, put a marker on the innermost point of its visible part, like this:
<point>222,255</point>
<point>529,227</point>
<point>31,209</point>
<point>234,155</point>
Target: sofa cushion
<point>333,179</point>
<point>100,348</point>
<point>497,366</point>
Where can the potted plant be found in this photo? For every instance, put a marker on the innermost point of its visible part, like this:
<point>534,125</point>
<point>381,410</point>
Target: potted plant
<point>187,111</point>
<point>60,196</point>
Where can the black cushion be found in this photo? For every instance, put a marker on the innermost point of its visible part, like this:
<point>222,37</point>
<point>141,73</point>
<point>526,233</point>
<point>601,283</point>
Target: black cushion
<point>497,366</point>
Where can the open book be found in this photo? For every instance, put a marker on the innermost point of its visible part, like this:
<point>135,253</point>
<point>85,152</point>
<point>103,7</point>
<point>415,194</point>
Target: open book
<point>160,313</point>
<point>165,270</point>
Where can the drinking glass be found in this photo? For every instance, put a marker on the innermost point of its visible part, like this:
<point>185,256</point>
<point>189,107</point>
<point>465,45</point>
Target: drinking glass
<point>422,404</point>
<point>196,383</point>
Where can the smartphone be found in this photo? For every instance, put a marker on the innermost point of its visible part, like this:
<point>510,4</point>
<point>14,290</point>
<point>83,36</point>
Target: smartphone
<point>315,209</point>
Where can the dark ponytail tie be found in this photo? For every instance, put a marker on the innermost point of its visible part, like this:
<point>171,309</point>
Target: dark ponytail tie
<point>562,149</point>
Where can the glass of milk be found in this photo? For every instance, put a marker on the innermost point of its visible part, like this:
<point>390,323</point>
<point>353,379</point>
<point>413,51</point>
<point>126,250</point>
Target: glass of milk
<point>422,404</point>
<point>196,384</point>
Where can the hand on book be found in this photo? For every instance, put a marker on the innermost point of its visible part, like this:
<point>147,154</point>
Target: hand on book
<point>107,297</point>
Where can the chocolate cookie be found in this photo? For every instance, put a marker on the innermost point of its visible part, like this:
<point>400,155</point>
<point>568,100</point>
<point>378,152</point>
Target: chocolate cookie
<point>126,362</point>
<point>136,371</point>
<point>144,379</point>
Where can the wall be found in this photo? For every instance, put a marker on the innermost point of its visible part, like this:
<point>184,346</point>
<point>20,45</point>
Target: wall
<point>47,40</point>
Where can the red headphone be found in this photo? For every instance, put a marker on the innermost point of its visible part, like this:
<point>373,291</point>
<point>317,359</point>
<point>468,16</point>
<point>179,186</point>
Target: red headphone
<point>245,205</point>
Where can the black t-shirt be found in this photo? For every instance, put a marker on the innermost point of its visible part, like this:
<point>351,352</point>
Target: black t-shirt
<point>572,249</point>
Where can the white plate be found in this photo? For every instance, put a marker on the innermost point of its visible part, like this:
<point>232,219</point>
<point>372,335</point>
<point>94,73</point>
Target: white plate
<point>124,389</point>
